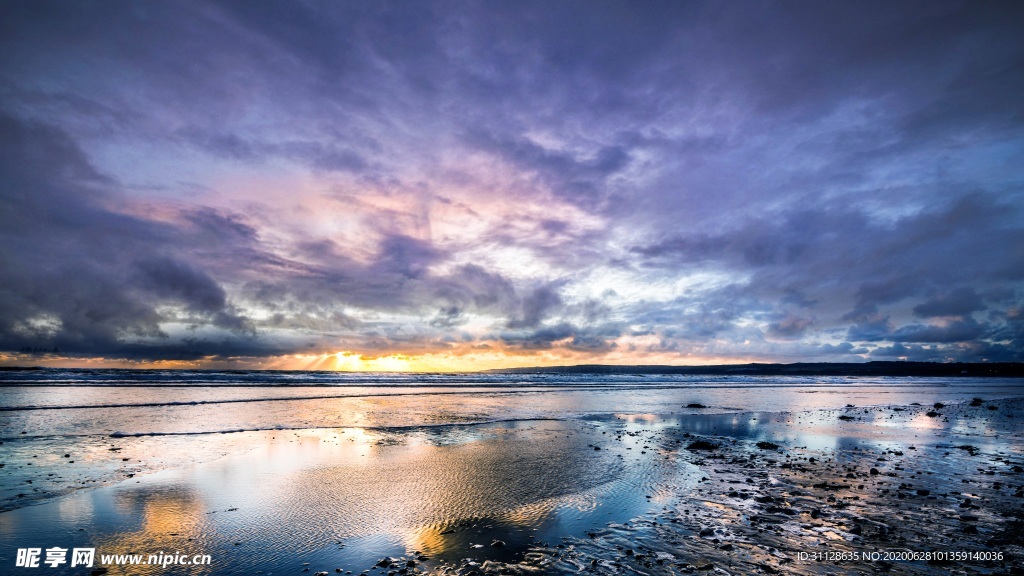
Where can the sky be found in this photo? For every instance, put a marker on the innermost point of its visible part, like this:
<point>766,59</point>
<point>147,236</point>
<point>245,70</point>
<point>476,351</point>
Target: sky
<point>473,185</point>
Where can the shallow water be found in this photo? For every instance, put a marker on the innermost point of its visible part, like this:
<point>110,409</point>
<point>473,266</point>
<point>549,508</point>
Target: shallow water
<point>112,423</point>
<point>345,497</point>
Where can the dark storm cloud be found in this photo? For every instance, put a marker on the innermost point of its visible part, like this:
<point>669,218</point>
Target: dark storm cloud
<point>170,278</point>
<point>959,302</point>
<point>78,274</point>
<point>959,331</point>
<point>843,265</point>
<point>816,179</point>
<point>85,278</point>
<point>535,306</point>
<point>43,274</point>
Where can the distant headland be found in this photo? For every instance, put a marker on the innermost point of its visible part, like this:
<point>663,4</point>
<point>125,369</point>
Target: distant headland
<point>1006,369</point>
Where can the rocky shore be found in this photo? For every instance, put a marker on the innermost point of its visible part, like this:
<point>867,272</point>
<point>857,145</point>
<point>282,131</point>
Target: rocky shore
<point>875,500</point>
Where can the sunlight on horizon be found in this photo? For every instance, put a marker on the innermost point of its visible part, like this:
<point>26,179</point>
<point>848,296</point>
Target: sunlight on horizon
<point>348,361</point>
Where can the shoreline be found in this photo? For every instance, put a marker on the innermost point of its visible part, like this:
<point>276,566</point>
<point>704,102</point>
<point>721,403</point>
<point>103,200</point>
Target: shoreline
<point>775,484</point>
<point>260,436</point>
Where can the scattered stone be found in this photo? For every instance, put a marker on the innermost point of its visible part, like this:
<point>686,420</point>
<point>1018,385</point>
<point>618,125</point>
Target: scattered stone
<point>702,445</point>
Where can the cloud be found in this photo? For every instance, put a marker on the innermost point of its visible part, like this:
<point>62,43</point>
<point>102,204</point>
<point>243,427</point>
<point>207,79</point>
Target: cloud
<point>959,331</point>
<point>960,302</point>
<point>682,179</point>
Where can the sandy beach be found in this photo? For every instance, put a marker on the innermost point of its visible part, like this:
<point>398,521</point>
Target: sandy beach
<point>850,489</point>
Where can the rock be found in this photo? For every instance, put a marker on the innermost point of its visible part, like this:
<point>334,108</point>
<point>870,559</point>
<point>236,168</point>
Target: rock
<point>932,414</point>
<point>707,532</point>
<point>768,446</point>
<point>938,405</point>
<point>702,445</point>
<point>695,405</point>
<point>498,544</point>
<point>923,492</point>
<point>384,562</point>
<point>874,472</point>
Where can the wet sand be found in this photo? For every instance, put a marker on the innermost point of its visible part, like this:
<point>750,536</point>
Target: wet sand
<point>725,493</point>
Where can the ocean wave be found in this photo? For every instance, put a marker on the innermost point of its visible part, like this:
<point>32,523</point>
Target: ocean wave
<point>458,390</point>
<point>375,428</point>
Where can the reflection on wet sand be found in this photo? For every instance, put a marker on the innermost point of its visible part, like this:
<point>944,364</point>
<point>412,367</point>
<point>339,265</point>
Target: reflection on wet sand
<point>157,521</point>
<point>444,491</point>
<point>346,497</point>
